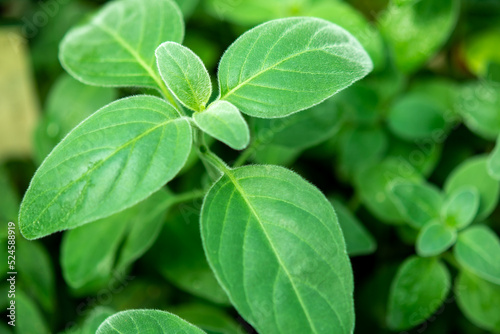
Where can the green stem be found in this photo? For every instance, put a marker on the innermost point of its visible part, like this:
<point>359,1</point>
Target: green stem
<point>242,159</point>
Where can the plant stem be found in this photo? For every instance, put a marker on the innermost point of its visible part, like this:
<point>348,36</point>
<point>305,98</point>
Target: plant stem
<point>246,154</point>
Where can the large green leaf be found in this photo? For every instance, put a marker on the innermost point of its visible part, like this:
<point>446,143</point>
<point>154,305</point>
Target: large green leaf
<point>184,74</point>
<point>59,118</point>
<point>274,243</point>
<point>479,300</point>
<point>117,46</point>
<point>224,122</point>
<point>417,291</point>
<point>461,207</point>
<point>473,172</point>
<point>415,30</point>
<point>357,238</point>
<point>287,65</point>
<point>494,161</point>
<point>89,253</point>
<point>211,319</point>
<point>93,172</point>
<point>146,321</point>
<point>478,250</point>
<point>434,238</point>
<point>418,203</point>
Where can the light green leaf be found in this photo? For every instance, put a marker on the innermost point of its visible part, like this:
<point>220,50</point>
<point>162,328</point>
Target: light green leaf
<point>184,74</point>
<point>418,203</point>
<point>37,274</point>
<point>417,291</point>
<point>59,118</point>
<point>117,46</point>
<point>461,207</point>
<point>300,130</point>
<point>183,261</point>
<point>414,116</point>
<point>479,300</point>
<point>478,251</point>
<point>494,161</point>
<point>478,52</point>
<point>473,172</point>
<point>29,318</point>
<point>415,30</point>
<point>146,321</point>
<point>210,319</point>
<point>224,122</point>
<point>479,105</point>
<point>92,173</point>
<point>287,65</point>
<point>435,238</point>
<point>373,184</point>
<point>85,257</point>
<point>274,243</point>
<point>187,6</point>
<point>357,238</point>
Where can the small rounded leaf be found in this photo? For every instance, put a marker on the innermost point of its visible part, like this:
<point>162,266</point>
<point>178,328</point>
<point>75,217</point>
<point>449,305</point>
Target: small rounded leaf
<point>119,50</point>
<point>461,207</point>
<point>184,74</point>
<point>435,238</point>
<point>478,251</point>
<point>287,65</point>
<point>146,321</point>
<point>417,291</point>
<point>114,159</point>
<point>224,122</point>
<point>274,243</point>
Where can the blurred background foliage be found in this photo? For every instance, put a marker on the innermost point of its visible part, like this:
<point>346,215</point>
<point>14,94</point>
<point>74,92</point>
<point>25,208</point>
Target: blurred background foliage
<point>430,107</point>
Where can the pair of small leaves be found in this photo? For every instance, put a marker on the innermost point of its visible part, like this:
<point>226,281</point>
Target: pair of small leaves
<point>419,288</point>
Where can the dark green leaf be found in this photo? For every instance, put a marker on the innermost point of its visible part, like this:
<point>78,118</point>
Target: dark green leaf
<point>29,318</point>
<point>209,318</point>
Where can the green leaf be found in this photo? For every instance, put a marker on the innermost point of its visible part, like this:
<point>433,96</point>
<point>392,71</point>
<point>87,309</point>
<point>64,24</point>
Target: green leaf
<point>146,321</point>
<point>224,122</point>
<point>479,105</point>
<point>95,318</point>
<point>479,300</point>
<point>187,6</point>
<point>373,184</point>
<point>418,203</point>
<point>183,261</point>
<point>85,257</point>
<point>473,172</point>
<point>357,238</point>
<point>268,232</point>
<point>287,65</point>
<point>478,251</point>
<point>119,50</point>
<point>414,116</point>
<point>184,74</point>
<point>461,207</point>
<point>300,130</point>
<point>92,173</point>
<point>210,319</point>
<point>415,30</point>
<point>494,161</point>
<point>58,119</point>
<point>417,291</point>
<point>36,272</point>
<point>9,204</point>
<point>435,238</point>
<point>29,318</point>
<point>478,52</point>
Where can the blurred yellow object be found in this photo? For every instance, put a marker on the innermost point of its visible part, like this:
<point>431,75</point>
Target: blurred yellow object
<point>19,109</point>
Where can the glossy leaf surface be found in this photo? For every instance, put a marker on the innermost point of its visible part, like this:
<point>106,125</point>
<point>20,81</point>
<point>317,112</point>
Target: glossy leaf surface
<point>92,173</point>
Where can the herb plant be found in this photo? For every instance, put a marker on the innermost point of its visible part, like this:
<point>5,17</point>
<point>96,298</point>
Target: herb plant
<point>332,169</point>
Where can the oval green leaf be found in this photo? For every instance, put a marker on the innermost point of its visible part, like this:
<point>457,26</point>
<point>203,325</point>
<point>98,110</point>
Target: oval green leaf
<point>461,207</point>
<point>224,122</point>
<point>473,172</point>
<point>435,238</point>
<point>146,321</point>
<point>417,291</point>
<point>184,74</point>
<point>287,65</point>
<point>274,243</point>
<point>93,172</point>
<point>119,50</point>
<point>478,251</point>
<point>479,301</point>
